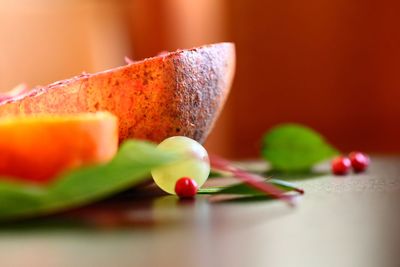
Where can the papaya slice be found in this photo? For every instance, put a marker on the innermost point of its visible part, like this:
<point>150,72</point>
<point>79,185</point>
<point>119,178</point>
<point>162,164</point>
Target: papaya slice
<point>177,93</point>
<point>38,147</point>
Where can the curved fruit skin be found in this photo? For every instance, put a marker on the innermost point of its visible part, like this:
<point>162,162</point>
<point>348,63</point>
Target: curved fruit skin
<point>178,93</point>
<point>194,163</point>
<point>341,165</point>
<point>186,187</point>
<point>359,161</point>
<point>37,148</point>
<point>17,91</point>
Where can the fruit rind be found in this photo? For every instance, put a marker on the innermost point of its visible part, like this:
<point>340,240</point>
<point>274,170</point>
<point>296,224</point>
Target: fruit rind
<point>179,93</point>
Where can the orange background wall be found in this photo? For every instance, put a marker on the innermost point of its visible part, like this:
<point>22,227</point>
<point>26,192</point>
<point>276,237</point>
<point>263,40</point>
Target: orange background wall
<point>333,65</point>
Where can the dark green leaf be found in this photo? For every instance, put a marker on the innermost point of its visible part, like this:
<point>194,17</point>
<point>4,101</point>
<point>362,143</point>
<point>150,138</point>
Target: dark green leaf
<point>247,199</point>
<point>215,174</point>
<point>244,189</point>
<point>130,166</point>
<point>294,148</point>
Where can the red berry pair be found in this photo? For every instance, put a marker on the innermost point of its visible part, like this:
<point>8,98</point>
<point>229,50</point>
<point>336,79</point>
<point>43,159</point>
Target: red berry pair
<point>186,187</point>
<point>341,165</point>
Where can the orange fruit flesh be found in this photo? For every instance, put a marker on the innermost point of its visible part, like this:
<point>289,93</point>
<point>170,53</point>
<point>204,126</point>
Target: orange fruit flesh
<point>37,148</point>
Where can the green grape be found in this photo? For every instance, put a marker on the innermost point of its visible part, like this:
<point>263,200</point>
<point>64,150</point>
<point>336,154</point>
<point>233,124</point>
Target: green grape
<point>195,163</point>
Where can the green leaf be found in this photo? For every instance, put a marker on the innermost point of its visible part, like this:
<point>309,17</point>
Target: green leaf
<point>131,165</point>
<point>294,148</point>
<point>244,189</point>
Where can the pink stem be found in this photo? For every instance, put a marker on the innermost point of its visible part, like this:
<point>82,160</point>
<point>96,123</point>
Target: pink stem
<point>299,190</point>
<point>129,60</point>
<point>250,179</point>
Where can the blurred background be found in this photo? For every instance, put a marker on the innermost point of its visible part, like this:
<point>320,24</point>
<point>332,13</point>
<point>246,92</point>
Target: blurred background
<point>333,65</point>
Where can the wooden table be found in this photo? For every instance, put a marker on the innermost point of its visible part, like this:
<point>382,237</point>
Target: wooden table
<point>349,221</point>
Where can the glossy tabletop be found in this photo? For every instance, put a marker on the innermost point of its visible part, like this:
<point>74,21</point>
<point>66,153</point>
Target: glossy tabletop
<point>340,221</point>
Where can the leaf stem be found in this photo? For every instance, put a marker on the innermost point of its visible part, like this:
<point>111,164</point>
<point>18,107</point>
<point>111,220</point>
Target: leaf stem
<point>253,180</point>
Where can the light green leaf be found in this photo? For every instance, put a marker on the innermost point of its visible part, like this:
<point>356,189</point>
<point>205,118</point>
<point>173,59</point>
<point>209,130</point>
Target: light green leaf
<point>130,166</point>
<point>294,148</point>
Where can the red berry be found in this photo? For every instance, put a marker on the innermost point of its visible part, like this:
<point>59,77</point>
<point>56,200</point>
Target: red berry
<point>186,187</point>
<point>359,161</point>
<point>341,165</point>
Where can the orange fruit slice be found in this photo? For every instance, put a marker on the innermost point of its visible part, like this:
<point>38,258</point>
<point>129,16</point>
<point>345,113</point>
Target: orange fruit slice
<point>37,148</point>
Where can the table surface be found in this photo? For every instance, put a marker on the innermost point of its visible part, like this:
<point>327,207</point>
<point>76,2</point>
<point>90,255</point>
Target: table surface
<point>340,221</point>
